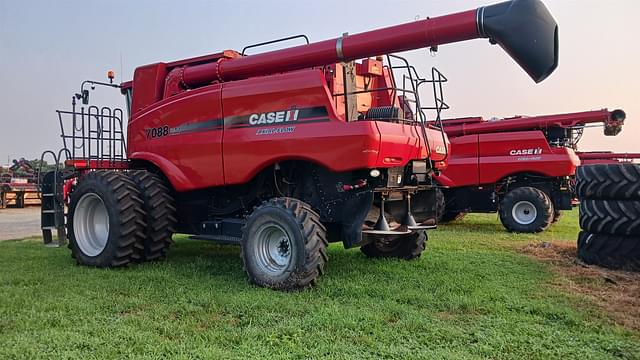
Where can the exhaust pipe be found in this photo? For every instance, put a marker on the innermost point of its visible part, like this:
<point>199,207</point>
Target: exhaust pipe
<point>526,31</point>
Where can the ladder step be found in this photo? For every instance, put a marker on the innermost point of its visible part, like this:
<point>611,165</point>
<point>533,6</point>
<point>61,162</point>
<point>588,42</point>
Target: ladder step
<point>43,195</point>
<point>49,211</point>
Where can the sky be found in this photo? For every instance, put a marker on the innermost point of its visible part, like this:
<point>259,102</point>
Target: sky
<point>47,48</point>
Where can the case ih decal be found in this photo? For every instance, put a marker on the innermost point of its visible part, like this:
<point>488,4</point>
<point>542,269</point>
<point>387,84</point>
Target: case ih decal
<point>536,151</point>
<point>278,118</point>
<point>271,119</point>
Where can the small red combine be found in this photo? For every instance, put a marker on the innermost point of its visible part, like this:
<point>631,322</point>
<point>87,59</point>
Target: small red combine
<point>523,167</point>
<point>281,152</point>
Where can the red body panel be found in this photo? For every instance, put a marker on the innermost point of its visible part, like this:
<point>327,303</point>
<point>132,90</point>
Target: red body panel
<point>190,159</point>
<point>214,149</point>
<point>499,157</point>
<point>484,159</point>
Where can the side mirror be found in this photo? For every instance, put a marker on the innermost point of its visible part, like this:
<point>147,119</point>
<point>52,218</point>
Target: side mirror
<point>85,97</point>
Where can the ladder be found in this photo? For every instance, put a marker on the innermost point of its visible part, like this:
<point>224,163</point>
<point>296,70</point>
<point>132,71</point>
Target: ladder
<point>52,210</point>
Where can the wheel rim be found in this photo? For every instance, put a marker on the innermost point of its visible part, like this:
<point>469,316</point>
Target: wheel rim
<point>273,249</point>
<point>524,212</point>
<point>91,224</point>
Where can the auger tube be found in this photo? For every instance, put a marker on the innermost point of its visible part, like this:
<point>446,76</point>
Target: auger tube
<point>523,28</point>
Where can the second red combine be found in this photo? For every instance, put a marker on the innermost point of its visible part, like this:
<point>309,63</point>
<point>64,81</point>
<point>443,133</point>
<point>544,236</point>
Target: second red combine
<point>522,167</point>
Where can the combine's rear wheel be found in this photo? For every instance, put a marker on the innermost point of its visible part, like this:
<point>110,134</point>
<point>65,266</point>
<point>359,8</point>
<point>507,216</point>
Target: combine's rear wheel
<point>526,210</point>
<point>405,246</point>
<point>284,245</point>
<point>106,219</point>
<point>160,218</point>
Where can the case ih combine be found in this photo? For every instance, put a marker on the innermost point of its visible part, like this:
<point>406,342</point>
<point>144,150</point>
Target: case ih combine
<point>281,152</point>
<point>522,167</point>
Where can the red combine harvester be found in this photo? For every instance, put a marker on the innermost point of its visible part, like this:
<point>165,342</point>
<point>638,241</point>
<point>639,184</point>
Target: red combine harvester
<point>281,152</point>
<point>606,157</point>
<point>522,167</point>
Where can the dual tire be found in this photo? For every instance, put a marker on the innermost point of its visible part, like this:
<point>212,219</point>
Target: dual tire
<point>116,218</point>
<point>609,215</point>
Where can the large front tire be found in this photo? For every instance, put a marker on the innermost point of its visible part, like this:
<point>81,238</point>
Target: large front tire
<point>406,246</point>
<point>526,210</point>
<point>284,245</point>
<point>105,220</point>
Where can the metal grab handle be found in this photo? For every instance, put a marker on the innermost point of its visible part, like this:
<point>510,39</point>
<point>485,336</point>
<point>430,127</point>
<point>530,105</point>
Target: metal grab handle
<point>275,41</point>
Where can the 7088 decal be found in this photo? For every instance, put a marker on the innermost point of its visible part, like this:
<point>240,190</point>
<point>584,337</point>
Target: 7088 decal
<point>160,131</point>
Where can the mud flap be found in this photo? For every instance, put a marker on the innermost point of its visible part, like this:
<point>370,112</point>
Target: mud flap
<point>355,211</point>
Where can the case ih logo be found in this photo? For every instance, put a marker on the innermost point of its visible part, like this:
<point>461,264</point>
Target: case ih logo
<point>536,151</point>
<point>273,117</point>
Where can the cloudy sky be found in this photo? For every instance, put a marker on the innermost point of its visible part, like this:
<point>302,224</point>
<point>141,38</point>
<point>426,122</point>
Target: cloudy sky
<point>48,47</point>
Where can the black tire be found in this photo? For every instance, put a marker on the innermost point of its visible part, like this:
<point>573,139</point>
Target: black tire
<point>405,246</point>
<point>305,245</point>
<point>526,198</point>
<point>445,216</point>
<point>441,205</point>
<point>451,216</point>
<point>557,215</point>
<point>608,182</point>
<point>614,252</point>
<point>122,203</point>
<point>159,207</point>
<point>613,217</point>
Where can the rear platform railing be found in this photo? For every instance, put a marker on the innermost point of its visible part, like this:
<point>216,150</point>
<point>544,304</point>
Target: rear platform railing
<point>93,133</point>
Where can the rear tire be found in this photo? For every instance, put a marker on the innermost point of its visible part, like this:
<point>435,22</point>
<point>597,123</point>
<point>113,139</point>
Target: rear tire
<point>557,215</point>
<point>613,217</point>
<point>159,208</point>
<point>405,246</point>
<point>451,216</point>
<point>526,210</point>
<point>106,219</point>
<point>608,181</point>
<point>284,245</point>
<point>614,252</point>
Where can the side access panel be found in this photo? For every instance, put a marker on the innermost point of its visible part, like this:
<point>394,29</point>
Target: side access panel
<point>189,152</point>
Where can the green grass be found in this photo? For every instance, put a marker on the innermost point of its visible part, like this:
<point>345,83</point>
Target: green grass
<point>469,296</point>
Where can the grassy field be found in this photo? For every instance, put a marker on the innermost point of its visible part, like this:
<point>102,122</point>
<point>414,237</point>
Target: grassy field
<point>471,295</point>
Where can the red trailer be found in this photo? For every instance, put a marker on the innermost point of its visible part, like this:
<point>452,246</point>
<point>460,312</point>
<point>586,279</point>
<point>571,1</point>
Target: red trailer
<point>522,167</point>
<point>280,152</point>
